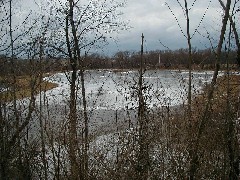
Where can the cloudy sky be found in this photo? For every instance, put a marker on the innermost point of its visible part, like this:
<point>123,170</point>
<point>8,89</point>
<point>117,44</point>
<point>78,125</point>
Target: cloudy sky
<point>155,20</point>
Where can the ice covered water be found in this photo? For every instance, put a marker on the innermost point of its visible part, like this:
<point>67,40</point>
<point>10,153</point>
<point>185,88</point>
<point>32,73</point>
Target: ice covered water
<point>111,90</point>
<point>112,95</point>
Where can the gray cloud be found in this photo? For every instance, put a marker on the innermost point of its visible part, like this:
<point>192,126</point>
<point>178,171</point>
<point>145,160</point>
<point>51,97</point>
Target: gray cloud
<point>155,20</point>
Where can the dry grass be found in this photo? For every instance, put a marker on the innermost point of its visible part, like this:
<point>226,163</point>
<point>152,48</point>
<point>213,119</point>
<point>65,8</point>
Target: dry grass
<point>226,90</point>
<point>225,102</point>
<point>212,142</point>
<point>24,87</point>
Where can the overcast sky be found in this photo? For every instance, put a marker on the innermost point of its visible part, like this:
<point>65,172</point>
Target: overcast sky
<point>154,19</point>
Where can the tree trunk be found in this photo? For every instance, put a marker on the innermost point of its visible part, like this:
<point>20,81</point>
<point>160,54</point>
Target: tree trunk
<point>143,156</point>
<point>73,143</point>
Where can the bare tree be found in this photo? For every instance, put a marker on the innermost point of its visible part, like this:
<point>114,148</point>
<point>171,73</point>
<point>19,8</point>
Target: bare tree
<point>206,113</point>
<point>13,121</point>
<point>233,24</point>
<point>86,26</point>
<point>143,154</point>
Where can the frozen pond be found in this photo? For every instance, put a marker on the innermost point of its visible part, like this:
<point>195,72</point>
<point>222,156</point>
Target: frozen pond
<point>113,94</point>
<point>109,90</point>
<point>111,97</point>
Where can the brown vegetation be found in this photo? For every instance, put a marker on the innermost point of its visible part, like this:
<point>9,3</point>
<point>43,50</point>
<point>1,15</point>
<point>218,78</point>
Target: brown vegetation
<point>24,87</point>
<point>213,143</point>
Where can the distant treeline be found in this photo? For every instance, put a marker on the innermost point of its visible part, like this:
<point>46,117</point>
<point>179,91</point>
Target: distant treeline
<point>202,59</point>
